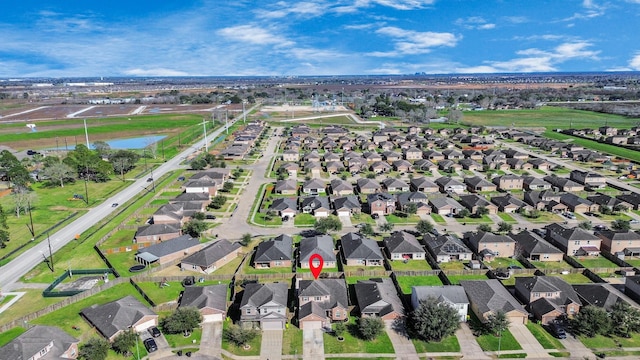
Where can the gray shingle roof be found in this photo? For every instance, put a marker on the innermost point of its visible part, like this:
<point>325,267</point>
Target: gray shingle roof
<point>355,246</point>
<point>402,242</point>
<point>257,295</point>
<point>278,248</point>
<point>378,296</point>
<point>116,315</point>
<point>200,297</point>
<point>34,340</point>
<point>170,246</point>
<point>532,244</point>
<point>490,295</point>
<point>322,245</point>
<point>446,245</point>
<point>158,229</point>
<point>212,253</point>
<point>335,288</point>
<point>454,294</point>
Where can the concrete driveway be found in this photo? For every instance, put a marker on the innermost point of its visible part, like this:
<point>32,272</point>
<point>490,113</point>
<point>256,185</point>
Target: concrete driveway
<point>402,345</point>
<point>271,346</point>
<point>312,344</point>
<point>468,344</point>
<point>528,342</point>
<point>211,341</point>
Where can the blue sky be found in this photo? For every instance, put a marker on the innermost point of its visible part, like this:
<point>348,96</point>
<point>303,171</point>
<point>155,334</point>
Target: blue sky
<point>72,38</point>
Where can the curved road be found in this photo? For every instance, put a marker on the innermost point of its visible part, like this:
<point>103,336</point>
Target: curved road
<point>11,272</point>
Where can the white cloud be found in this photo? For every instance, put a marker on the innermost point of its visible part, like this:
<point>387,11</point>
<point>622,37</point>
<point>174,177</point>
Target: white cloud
<point>591,10</point>
<point>395,4</point>
<point>155,72</point>
<point>302,9</point>
<point>634,63</point>
<point>474,23</point>
<point>408,42</point>
<point>253,35</point>
<point>516,19</point>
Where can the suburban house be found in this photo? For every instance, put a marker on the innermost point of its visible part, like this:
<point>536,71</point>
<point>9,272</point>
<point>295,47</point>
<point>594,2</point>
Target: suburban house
<point>473,202</point>
<point>452,295</point>
<point>590,180</point>
<point>470,164</point>
<point>547,297</point>
<point>449,166</point>
<point>508,182</point>
<point>346,205</point>
<point>378,297</point>
<point>412,153</point>
<point>448,185</point>
<point>340,187</point>
<point>487,297</point>
<point>535,183</point>
<point>576,203</point>
<point>611,202</point>
<point>380,167</point>
<point>285,207</point>
<point>632,287</point>
<point>316,205</point>
<point>210,300</point>
<point>206,186</point>
<point>291,169</point>
<point>360,251</point>
<point>264,305</point>
<point>168,251</point>
<point>367,186</point>
<point>381,204</point>
<point>113,318</point>
<point>169,214</point>
<point>276,252</point>
<point>41,342</point>
<point>424,165</point>
<point>286,187</point>
<point>477,184</point>
<point>290,155</point>
<point>432,156</point>
<point>155,233</point>
<point>632,199</point>
<point>446,248</point>
<point>321,245</point>
<point>313,187</point>
<point>418,198</point>
<point>445,206</point>
<point>401,245</point>
<point>627,242</point>
<point>211,257</point>
<point>489,245</point>
<point>423,184</point>
<point>509,203</point>
<point>573,241</point>
<point>540,164</point>
<point>334,167</point>
<point>394,185</point>
<point>321,302</point>
<point>563,184</point>
<point>535,248</point>
<point>596,295</point>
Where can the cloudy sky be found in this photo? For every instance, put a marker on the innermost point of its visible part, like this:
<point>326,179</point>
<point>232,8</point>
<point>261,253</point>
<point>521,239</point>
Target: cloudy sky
<point>70,38</point>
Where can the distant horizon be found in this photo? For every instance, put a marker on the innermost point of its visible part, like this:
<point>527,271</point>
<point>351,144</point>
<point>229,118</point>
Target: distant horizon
<point>52,39</point>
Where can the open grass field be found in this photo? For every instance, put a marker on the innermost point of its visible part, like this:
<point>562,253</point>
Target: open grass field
<point>546,116</point>
<point>590,144</point>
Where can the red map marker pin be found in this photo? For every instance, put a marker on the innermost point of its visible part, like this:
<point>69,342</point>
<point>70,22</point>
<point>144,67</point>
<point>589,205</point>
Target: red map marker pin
<point>315,270</point>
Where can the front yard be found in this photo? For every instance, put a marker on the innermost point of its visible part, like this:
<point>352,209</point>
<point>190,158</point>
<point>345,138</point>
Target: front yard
<point>353,344</point>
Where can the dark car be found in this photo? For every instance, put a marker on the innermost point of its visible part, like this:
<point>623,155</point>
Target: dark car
<point>114,205</point>
<point>558,331</point>
<point>149,179</point>
<point>150,345</point>
<point>514,267</point>
<point>154,331</point>
<point>599,227</point>
<point>375,216</point>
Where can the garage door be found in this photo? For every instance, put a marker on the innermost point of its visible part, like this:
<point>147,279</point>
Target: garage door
<point>310,325</point>
<point>212,318</point>
<point>346,213</point>
<point>145,325</point>
<point>272,325</point>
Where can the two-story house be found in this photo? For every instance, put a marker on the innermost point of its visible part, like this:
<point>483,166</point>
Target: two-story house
<point>381,203</point>
<point>264,305</point>
<point>548,297</point>
<point>321,302</point>
<point>573,241</point>
<point>489,245</point>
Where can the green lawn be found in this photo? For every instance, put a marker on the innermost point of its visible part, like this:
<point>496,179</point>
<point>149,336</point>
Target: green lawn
<point>503,263</point>
<point>9,335</point>
<point>410,265</point>
<point>171,292</point>
<point>544,217</point>
<point>545,339</point>
<point>576,278</point>
<point>605,342</point>
<point>451,265</point>
<point>178,340</point>
<point>484,219</point>
<point>595,262</point>
<point>353,344</point>
<point>254,344</point>
<point>406,282</point>
<point>362,218</point>
<point>394,219</point>
<point>551,265</point>
<point>507,218</point>
<point>448,344</point>
<point>304,220</point>
<point>438,219</point>
<point>591,144</point>
<point>292,340</point>
<point>455,279</point>
<point>491,342</point>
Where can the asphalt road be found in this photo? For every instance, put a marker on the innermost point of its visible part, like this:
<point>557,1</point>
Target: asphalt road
<point>11,272</point>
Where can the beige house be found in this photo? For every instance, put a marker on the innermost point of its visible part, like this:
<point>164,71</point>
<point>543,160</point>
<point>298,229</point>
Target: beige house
<point>627,242</point>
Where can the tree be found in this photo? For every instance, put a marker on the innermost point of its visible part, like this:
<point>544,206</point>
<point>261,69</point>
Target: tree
<point>484,227</point>
<point>218,201</point>
<point>366,229</point>
<point>339,329</point>
<point>124,342</point>
<point>591,321</point>
<point>239,336</point>
<point>605,210</point>
<point>198,215</point>
<point>424,226</point>
<point>464,213</point>
<point>533,214</point>
<point>198,164</point>
<point>102,148</point>
<point>59,173</point>
<point>4,229</point>
<point>411,208</point>
<point>626,319</point>
<point>497,322</point>
<point>621,225</point>
<point>481,211</point>
<point>94,349</point>
<point>194,228</point>
<point>227,187</point>
<point>246,239</point>
<point>433,320</point>
<point>328,224</point>
<point>370,327</point>
<point>182,320</point>
<point>386,227</point>
<point>504,227</point>
<point>585,225</point>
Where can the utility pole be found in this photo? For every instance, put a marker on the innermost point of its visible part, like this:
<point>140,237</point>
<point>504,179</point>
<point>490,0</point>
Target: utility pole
<point>204,131</point>
<point>31,228</point>
<point>244,113</point>
<point>226,121</point>
<point>86,133</point>
<point>50,253</point>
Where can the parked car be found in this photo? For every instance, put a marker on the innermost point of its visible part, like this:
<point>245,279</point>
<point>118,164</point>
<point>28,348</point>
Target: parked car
<point>557,330</point>
<point>149,179</point>
<point>114,205</point>
<point>154,331</point>
<point>150,345</point>
<point>599,227</point>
